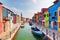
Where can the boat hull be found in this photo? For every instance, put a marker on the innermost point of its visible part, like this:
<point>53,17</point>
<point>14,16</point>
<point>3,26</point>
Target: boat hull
<point>22,26</point>
<point>37,33</point>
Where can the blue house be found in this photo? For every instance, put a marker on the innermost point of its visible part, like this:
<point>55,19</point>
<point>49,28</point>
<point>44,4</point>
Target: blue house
<point>53,15</point>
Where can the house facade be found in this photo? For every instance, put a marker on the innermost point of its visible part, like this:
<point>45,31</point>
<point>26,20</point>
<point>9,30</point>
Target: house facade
<point>54,15</point>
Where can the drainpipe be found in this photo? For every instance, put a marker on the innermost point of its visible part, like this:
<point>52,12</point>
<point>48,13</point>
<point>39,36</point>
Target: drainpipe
<point>4,26</point>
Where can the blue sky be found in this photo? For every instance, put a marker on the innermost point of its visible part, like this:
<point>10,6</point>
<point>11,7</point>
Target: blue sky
<point>27,7</point>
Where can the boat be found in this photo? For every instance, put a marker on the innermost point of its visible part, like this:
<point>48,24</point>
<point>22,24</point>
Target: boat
<point>36,31</point>
<point>30,23</point>
<point>22,26</point>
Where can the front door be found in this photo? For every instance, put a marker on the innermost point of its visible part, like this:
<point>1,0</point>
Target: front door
<point>52,24</point>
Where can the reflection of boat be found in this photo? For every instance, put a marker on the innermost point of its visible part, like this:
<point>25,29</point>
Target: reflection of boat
<point>36,31</point>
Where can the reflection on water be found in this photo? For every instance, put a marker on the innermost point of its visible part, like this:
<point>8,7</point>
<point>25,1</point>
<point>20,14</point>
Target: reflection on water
<point>26,34</point>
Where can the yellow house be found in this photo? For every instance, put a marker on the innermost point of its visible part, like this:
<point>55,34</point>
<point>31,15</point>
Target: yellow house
<point>18,18</point>
<point>59,19</point>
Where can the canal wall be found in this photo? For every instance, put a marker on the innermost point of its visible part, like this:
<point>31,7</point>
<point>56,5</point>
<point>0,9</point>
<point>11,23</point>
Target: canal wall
<point>9,34</point>
<point>13,35</point>
<point>50,33</point>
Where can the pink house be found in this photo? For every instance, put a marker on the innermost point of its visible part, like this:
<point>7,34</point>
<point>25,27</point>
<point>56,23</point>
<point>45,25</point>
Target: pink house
<point>1,20</point>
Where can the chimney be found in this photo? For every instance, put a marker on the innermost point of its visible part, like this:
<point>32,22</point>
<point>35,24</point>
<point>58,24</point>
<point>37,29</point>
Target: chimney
<point>0,3</point>
<point>56,1</point>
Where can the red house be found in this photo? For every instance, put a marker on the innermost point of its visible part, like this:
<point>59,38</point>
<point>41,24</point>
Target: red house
<point>14,18</point>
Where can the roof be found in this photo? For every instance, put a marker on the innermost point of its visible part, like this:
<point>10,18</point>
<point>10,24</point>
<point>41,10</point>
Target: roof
<point>56,1</point>
<point>8,9</point>
<point>44,9</point>
<point>54,7</point>
<point>0,3</point>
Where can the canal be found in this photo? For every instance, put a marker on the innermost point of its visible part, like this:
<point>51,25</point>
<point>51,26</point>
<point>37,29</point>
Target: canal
<point>26,34</point>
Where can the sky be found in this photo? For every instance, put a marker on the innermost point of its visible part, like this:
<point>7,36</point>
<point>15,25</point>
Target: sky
<point>27,7</point>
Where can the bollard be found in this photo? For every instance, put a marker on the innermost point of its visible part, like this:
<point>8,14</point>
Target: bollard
<point>10,34</point>
<point>47,31</point>
<point>53,36</point>
<point>0,39</point>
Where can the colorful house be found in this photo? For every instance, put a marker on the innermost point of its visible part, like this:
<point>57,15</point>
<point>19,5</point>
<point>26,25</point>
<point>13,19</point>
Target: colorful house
<point>36,18</point>
<point>17,18</point>
<point>7,18</point>
<point>1,20</point>
<point>54,15</point>
<point>14,18</point>
<point>27,19</point>
<point>59,19</point>
<point>40,18</point>
<point>23,19</point>
<point>33,19</point>
<point>4,19</point>
<point>46,16</point>
<point>10,17</point>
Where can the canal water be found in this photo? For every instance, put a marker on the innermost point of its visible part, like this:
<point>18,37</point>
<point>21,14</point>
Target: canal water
<point>26,34</point>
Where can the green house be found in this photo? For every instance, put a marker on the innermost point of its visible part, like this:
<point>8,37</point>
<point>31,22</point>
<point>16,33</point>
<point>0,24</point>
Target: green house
<point>46,18</point>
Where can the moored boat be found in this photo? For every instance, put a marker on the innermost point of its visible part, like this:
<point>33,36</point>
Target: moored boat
<point>36,31</point>
<point>30,23</point>
<point>22,26</point>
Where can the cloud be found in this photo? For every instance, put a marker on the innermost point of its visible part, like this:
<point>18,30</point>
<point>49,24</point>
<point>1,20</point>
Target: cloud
<point>31,8</point>
<point>34,1</point>
<point>26,13</point>
<point>16,11</point>
<point>29,13</point>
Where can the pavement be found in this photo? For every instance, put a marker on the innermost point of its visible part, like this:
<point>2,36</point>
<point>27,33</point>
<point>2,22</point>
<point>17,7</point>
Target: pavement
<point>6,35</point>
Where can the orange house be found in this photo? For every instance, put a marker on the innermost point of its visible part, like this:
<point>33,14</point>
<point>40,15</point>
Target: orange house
<point>36,17</point>
<point>14,18</point>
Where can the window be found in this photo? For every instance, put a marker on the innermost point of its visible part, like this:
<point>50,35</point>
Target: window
<point>44,15</point>
<point>35,17</point>
<point>43,23</point>
<point>11,14</point>
<point>53,17</point>
<point>49,14</point>
<point>59,24</point>
<point>59,13</point>
<point>49,22</point>
<point>55,23</point>
<point>55,13</point>
<point>4,12</point>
